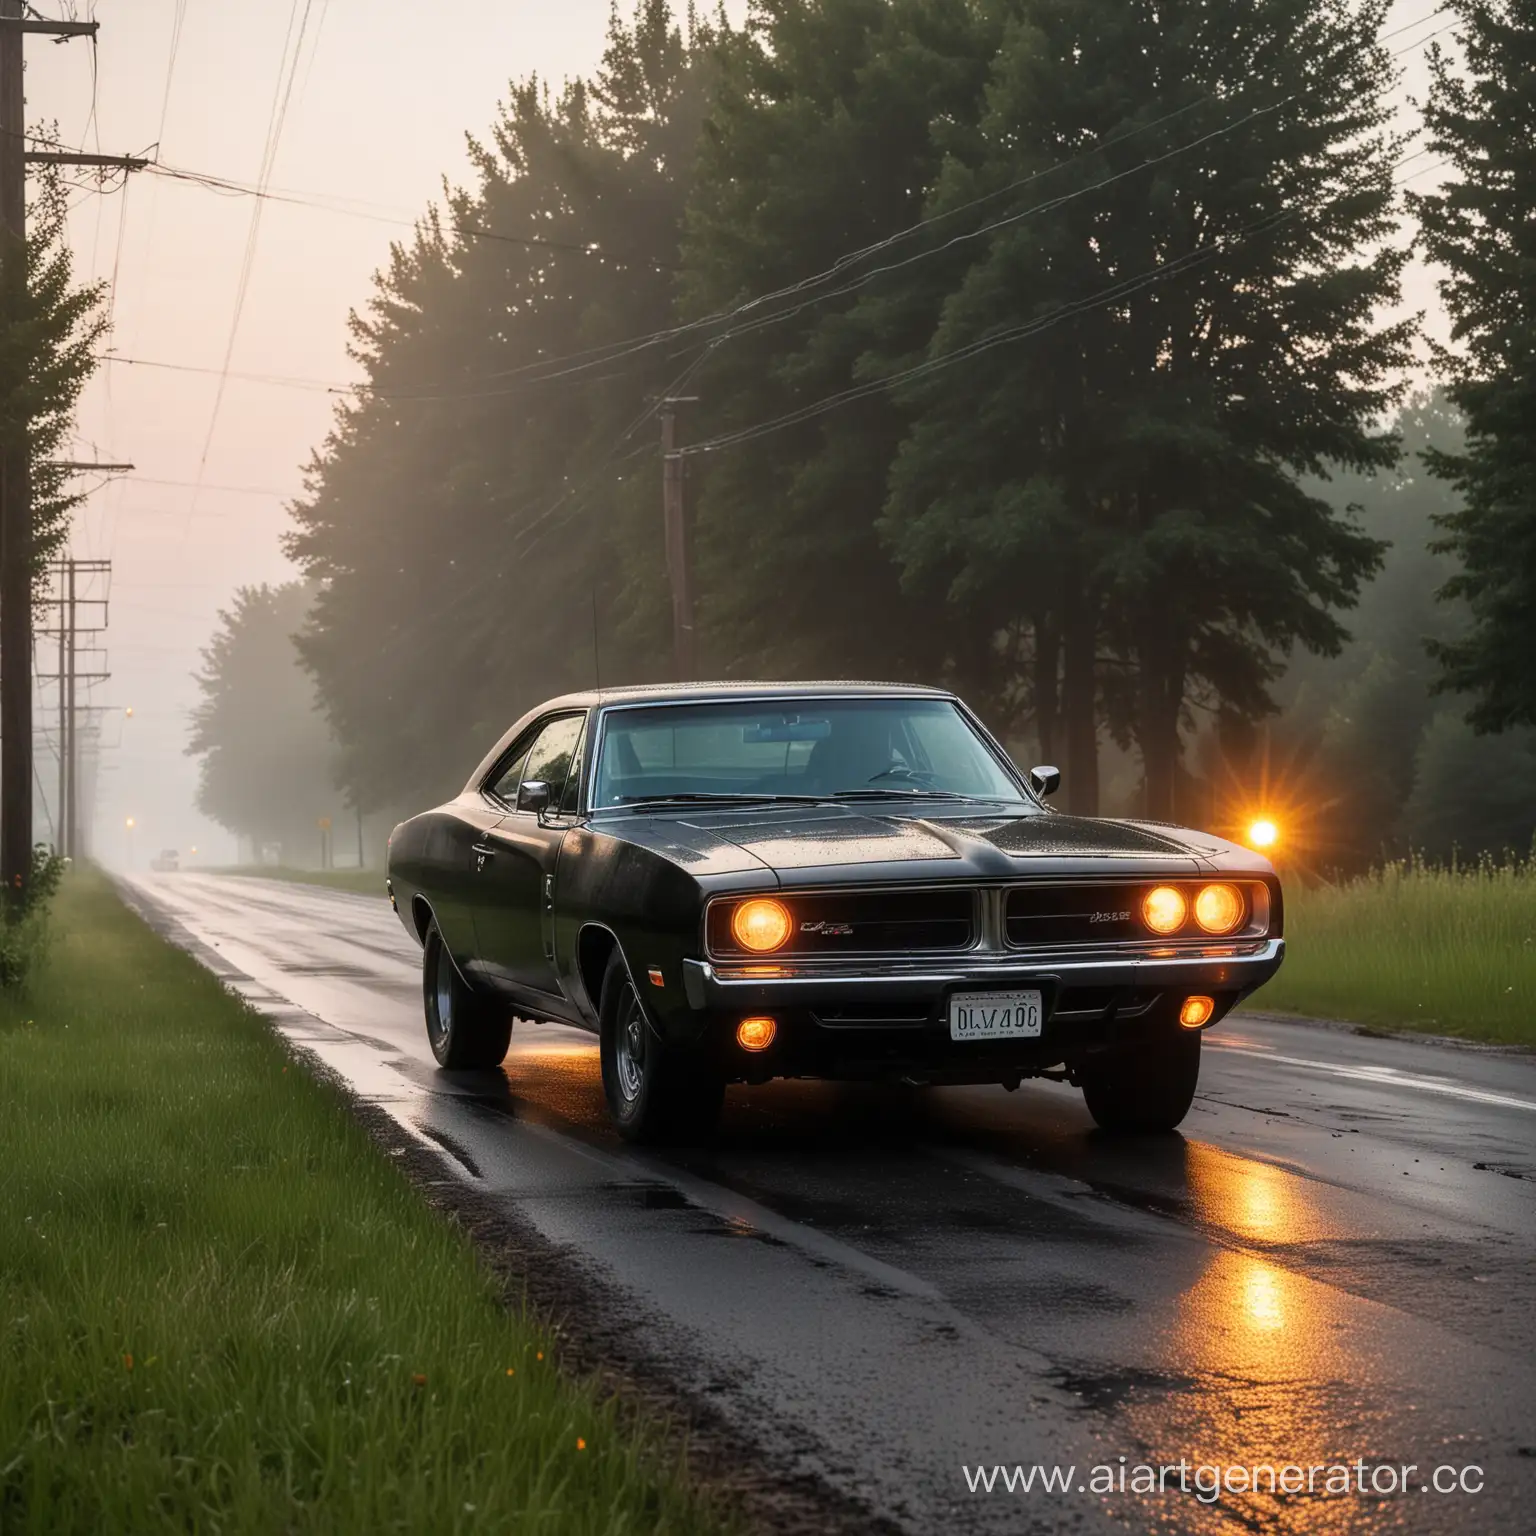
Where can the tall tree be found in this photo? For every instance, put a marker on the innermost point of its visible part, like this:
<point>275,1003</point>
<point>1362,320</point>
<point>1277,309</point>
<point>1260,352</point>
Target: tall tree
<point>464,515</point>
<point>48,352</point>
<point>819,145</point>
<point>268,758</point>
<point>1482,226</point>
<point>1170,325</point>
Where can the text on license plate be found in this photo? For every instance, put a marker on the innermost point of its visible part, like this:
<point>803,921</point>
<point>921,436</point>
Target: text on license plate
<point>994,1015</point>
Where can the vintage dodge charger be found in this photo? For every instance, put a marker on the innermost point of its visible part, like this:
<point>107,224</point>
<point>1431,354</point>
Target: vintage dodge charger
<point>736,882</point>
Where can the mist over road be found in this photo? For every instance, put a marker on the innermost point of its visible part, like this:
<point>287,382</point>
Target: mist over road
<point>1331,1264</point>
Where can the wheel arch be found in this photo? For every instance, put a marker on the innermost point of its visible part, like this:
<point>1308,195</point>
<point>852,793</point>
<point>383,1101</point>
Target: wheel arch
<point>422,916</point>
<point>596,945</point>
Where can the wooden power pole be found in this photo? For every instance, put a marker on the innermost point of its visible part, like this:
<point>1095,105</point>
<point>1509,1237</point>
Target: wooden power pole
<point>16,544</point>
<point>685,655</point>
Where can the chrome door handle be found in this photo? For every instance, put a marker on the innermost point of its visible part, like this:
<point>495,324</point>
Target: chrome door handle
<point>482,853</point>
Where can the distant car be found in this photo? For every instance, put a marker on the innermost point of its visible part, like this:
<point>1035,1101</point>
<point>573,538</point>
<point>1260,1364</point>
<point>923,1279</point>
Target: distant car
<point>167,861</point>
<point>736,882</point>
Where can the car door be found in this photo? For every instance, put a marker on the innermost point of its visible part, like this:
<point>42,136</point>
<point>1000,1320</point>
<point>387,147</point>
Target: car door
<point>516,868</point>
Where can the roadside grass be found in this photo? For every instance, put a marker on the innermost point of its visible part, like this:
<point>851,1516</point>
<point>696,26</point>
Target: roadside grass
<point>222,1308</point>
<point>367,882</point>
<point>1446,950</point>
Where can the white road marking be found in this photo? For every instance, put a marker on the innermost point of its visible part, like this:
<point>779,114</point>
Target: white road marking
<point>1384,1077</point>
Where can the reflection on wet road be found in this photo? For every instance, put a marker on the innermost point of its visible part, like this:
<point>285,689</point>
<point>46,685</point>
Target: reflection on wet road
<point>1334,1264</point>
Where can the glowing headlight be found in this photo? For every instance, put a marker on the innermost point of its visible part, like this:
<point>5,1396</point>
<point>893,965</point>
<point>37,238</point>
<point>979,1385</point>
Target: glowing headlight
<point>1164,910</point>
<point>761,925</point>
<point>1219,908</point>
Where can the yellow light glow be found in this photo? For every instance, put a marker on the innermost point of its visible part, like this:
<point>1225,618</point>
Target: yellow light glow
<point>1219,908</point>
<point>129,711</point>
<point>1196,1011</point>
<point>129,823</point>
<point>1165,909</point>
<point>756,1034</point>
<point>762,925</point>
<point>1263,834</point>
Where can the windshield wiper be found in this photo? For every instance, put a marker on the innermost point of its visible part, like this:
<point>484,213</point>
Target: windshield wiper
<point>745,797</point>
<point>903,794</point>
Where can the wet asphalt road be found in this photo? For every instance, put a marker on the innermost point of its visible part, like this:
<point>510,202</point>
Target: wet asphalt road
<point>1335,1262</point>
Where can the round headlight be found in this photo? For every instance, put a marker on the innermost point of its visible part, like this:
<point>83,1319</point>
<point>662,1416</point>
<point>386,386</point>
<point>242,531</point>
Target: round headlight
<point>761,925</point>
<point>1164,910</point>
<point>1219,908</point>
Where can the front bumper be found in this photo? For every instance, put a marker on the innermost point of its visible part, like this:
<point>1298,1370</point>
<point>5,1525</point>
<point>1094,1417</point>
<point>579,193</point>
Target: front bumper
<point>853,1019</point>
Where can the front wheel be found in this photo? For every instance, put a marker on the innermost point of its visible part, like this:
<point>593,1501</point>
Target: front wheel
<point>654,1093</point>
<point>465,1029</point>
<point>1145,1087</point>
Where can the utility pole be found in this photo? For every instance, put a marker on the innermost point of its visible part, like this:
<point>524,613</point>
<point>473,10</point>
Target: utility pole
<point>70,600</point>
<point>685,656</point>
<point>16,767</point>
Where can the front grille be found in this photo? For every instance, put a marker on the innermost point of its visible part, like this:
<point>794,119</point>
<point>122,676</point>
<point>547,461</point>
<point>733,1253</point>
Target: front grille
<point>1075,914</point>
<point>862,923</point>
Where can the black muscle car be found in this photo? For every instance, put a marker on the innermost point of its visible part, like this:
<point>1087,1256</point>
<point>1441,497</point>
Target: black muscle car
<point>735,882</point>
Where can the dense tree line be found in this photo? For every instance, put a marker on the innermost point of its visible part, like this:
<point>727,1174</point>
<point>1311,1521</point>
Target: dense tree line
<point>1035,344</point>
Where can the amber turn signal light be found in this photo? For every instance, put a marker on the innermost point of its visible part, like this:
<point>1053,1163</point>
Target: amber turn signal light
<point>1164,910</point>
<point>1196,1012</point>
<point>761,925</point>
<point>756,1034</point>
<point>1219,908</point>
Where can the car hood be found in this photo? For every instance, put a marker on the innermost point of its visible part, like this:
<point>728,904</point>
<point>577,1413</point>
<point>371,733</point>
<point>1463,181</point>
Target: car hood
<point>934,841</point>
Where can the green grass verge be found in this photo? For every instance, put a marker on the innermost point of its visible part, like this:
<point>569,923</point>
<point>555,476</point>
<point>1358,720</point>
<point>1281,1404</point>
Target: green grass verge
<point>1410,946</point>
<point>222,1308</point>
<point>368,882</point>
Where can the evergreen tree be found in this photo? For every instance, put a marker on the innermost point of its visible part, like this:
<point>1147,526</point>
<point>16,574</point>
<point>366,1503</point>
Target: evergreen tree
<point>49,349</point>
<point>1154,358</point>
<point>267,756</point>
<point>819,144</point>
<point>467,516</point>
<point>1482,227</point>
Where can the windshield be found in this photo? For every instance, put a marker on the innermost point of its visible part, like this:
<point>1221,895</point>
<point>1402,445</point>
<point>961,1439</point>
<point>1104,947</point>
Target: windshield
<point>820,748</point>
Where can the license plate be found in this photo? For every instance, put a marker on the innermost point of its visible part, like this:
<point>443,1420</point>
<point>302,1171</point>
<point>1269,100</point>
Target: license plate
<point>994,1015</point>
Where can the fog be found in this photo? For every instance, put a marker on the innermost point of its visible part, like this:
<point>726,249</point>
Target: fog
<point>384,95</point>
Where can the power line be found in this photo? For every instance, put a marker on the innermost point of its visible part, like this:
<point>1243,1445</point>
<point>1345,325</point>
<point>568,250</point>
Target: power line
<point>1124,289</point>
<point>275,122</point>
<point>177,19</point>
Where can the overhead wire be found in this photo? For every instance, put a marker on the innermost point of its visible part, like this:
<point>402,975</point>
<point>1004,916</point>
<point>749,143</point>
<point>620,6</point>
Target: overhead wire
<point>276,120</point>
<point>1114,293</point>
<point>576,362</point>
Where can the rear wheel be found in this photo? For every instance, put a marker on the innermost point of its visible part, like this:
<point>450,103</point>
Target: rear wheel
<point>464,1028</point>
<point>655,1093</point>
<point>1144,1087</point>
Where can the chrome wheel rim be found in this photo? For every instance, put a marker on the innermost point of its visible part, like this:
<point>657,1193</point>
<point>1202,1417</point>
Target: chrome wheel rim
<point>629,1048</point>
<point>442,994</point>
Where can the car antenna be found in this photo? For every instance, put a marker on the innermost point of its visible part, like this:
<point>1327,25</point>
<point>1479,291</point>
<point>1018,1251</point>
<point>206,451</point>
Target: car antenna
<point>597,655</point>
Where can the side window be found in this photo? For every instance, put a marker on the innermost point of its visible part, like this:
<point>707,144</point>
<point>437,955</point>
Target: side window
<point>553,755</point>
<point>568,801</point>
<point>504,785</point>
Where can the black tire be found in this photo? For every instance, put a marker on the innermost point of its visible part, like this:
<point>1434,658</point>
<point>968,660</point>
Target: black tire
<point>1143,1088</point>
<point>465,1029</point>
<point>655,1093</point>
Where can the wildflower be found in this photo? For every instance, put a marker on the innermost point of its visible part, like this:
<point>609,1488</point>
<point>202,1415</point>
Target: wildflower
<point>581,1444</point>
<point>418,1380</point>
<point>127,1362</point>
<point>511,1371</point>
<point>541,1354</point>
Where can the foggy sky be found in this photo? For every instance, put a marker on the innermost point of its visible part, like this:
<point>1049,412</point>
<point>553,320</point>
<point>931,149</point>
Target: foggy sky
<point>382,101</point>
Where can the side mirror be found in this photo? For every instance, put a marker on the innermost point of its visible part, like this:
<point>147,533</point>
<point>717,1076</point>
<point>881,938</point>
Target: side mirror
<point>533,795</point>
<point>1045,781</point>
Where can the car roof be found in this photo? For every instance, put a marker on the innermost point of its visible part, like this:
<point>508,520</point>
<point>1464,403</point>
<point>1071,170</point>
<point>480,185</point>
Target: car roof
<point>709,692</point>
